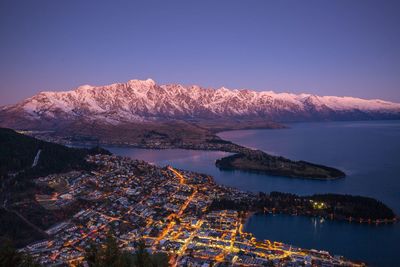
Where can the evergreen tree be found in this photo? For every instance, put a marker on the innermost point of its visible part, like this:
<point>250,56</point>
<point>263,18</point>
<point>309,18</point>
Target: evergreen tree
<point>109,254</point>
<point>10,257</point>
<point>141,256</point>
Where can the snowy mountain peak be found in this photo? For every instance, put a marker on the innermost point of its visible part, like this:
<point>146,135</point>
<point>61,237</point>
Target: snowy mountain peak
<point>144,100</point>
<point>142,83</point>
<point>84,87</point>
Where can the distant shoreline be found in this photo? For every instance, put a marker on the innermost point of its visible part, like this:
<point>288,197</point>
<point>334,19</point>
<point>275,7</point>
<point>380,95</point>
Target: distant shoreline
<point>219,144</point>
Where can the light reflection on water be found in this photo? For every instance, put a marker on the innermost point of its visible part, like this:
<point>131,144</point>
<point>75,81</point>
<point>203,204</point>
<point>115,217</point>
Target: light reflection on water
<point>377,245</point>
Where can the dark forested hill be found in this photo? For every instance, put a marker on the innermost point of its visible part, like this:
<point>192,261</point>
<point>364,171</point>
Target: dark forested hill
<point>18,152</point>
<point>23,158</point>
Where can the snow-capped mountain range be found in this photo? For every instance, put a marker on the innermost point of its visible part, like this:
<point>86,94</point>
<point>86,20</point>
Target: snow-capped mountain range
<point>144,100</point>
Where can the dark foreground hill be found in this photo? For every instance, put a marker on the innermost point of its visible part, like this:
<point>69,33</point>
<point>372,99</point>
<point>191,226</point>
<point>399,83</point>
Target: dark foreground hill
<point>18,152</point>
<point>23,158</point>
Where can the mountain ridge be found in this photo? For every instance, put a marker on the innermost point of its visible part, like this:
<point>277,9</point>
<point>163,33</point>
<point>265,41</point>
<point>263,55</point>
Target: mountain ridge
<point>145,100</point>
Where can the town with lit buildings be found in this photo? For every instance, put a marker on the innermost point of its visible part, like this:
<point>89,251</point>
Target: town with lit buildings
<point>167,209</point>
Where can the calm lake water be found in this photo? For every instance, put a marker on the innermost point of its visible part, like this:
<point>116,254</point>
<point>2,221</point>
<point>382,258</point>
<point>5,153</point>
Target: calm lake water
<point>369,153</point>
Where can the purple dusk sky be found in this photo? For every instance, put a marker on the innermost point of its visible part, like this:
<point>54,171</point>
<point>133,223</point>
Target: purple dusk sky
<point>344,47</point>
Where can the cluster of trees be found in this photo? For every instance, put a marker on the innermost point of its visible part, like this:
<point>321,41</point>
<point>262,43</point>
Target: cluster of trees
<point>14,228</point>
<point>219,141</point>
<point>232,204</point>
<point>341,206</point>
<point>356,206</point>
<point>10,257</point>
<point>261,162</point>
<point>109,254</point>
<point>106,254</point>
<point>17,152</point>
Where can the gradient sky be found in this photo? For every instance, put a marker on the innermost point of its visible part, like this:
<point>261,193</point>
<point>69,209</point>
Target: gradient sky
<point>346,47</point>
